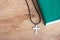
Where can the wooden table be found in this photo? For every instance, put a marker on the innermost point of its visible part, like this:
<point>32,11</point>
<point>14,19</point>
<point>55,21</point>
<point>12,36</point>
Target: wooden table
<point>16,25</point>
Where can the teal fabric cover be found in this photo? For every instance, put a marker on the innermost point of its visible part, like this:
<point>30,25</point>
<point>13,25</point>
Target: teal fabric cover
<point>50,10</point>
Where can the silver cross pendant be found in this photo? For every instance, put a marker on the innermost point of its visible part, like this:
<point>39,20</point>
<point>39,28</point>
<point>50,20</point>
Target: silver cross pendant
<point>36,28</point>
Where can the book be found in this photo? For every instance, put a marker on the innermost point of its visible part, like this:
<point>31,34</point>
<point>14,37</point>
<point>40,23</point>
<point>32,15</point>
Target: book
<point>50,11</point>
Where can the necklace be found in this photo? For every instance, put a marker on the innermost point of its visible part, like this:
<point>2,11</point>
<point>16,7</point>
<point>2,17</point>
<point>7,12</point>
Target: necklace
<point>36,24</point>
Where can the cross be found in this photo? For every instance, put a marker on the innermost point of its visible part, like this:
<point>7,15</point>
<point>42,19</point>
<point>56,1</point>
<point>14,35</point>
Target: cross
<point>36,29</point>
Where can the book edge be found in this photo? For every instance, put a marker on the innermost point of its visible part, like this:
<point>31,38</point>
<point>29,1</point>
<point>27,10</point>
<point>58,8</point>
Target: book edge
<point>52,22</point>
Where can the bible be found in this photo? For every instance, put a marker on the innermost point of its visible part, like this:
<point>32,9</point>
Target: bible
<point>50,11</point>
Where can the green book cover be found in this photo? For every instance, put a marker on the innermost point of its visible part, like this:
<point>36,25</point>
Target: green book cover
<point>50,10</point>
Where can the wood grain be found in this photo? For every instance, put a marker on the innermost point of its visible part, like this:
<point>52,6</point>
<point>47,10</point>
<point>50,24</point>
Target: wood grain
<point>16,25</point>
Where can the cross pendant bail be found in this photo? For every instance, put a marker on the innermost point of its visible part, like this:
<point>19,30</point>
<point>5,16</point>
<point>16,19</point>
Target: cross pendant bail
<point>36,28</point>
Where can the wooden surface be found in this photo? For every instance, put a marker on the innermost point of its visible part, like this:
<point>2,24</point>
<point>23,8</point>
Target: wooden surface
<point>16,25</point>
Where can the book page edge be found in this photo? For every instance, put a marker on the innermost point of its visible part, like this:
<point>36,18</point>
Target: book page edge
<point>52,22</point>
